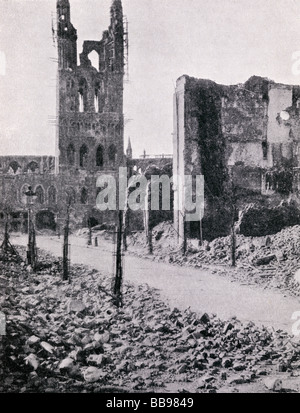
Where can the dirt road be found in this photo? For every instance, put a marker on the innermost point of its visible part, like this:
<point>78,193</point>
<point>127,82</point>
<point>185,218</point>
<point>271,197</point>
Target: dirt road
<point>199,289</point>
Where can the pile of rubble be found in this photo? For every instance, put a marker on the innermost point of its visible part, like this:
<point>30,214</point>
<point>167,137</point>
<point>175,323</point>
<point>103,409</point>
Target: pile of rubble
<point>69,337</point>
<point>271,260</point>
<point>164,239</point>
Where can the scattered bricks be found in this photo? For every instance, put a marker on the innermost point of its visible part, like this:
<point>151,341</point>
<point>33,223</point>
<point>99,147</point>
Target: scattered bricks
<point>66,338</point>
<point>217,363</point>
<point>93,374</point>
<point>273,384</point>
<point>223,375</point>
<point>265,260</point>
<point>237,380</point>
<point>32,361</point>
<point>283,367</point>
<point>200,333</point>
<point>228,327</point>
<point>205,319</point>
<point>66,364</point>
<point>33,340</point>
<point>47,347</point>
<point>239,366</point>
<point>226,362</point>
<point>182,369</point>
<point>76,306</point>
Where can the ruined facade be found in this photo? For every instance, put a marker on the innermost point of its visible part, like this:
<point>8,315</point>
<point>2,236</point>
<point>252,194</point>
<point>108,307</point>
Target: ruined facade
<point>90,130</point>
<point>248,133</point>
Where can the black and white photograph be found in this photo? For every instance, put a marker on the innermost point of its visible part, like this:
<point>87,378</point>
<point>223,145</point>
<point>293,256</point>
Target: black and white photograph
<point>149,199</point>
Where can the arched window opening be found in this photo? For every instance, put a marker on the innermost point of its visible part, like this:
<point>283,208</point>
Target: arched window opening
<point>96,97</point>
<point>32,166</point>
<point>99,156</point>
<point>82,95</point>
<point>14,167</point>
<point>83,156</point>
<point>71,155</point>
<point>96,101</point>
<point>112,154</point>
<point>94,59</point>
<point>52,195</point>
<point>81,105</point>
<point>40,197</point>
<point>84,196</point>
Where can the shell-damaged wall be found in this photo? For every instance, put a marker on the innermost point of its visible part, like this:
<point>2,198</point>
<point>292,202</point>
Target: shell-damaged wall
<point>249,132</point>
<point>249,129</point>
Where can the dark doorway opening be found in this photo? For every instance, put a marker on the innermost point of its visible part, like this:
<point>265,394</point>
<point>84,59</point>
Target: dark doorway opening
<point>45,220</point>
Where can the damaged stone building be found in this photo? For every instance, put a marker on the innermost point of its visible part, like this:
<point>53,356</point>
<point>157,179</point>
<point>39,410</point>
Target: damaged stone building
<point>247,134</point>
<point>90,129</point>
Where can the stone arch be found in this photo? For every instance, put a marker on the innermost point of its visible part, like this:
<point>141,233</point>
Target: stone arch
<point>71,154</point>
<point>84,196</point>
<point>112,154</point>
<point>100,156</point>
<point>97,97</point>
<point>82,94</point>
<point>32,166</point>
<point>93,57</point>
<point>52,195</point>
<point>14,167</point>
<point>83,155</point>
<point>40,194</point>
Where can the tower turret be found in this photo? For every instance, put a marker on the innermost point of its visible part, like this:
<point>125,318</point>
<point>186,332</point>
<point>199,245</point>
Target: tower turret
<point>66,36</point>
<point>116,26</point>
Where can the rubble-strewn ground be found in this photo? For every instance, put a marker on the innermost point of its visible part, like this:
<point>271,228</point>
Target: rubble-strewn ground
<point>278,273</point>
<point>68,337</point>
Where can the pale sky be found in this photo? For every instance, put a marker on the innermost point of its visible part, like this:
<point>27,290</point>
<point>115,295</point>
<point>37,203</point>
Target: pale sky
<point>223,40</point>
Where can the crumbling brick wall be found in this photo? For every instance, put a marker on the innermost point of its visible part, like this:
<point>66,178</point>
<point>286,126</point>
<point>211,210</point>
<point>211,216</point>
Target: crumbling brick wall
<point>243,133</point>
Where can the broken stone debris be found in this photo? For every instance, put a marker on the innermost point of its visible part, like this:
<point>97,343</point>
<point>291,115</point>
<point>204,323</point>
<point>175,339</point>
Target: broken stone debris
<point>272,261</point>
<point>141,346</point>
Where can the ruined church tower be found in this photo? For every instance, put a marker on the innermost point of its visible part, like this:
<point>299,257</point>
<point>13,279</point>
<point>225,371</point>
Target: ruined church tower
<point>90,125</point>
<point>90,99</point>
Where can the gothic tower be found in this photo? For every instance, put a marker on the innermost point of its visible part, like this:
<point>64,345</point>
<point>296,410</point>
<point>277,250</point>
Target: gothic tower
<point>90,102</point>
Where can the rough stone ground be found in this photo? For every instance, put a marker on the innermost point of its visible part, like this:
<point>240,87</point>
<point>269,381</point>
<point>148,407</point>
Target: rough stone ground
<point>68,337</point>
